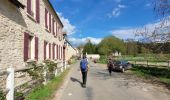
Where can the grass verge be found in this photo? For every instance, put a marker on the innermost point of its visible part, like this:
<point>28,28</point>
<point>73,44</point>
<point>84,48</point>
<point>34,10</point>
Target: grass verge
<point>44,92</point>
<point>161,75</point>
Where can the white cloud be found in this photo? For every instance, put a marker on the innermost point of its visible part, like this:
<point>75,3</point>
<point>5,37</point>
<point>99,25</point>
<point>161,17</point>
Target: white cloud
<point>124,33</point>
<point>121,6</point>
<point>134,33</point>
<point>68,27</point>
<point>79,41</point>
<point>116,11</point>
<point>148,5</point>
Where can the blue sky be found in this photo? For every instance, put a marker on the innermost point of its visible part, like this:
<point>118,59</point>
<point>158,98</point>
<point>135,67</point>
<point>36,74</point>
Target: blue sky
<point>96,19</point>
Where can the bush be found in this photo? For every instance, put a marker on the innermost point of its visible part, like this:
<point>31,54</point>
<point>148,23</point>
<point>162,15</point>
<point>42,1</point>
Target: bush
<point>50,65</point>
<point>2,95</point>
<point>103,59</point>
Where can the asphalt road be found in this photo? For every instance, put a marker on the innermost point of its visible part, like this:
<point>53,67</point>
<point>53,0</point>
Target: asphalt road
<point>101,86</point>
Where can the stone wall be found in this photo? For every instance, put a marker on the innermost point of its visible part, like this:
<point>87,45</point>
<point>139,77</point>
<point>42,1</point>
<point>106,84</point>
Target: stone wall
<point>13,23</point>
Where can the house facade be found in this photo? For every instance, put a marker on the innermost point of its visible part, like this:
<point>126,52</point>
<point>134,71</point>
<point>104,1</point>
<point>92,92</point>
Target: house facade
<point>70,51</point>
<point>30,30</point>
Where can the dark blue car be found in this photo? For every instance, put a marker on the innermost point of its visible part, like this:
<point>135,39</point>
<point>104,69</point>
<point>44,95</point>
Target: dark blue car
<point>121,65</point>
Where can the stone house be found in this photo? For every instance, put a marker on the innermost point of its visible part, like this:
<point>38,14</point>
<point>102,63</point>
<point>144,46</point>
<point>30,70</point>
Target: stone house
<point>70,51</point>
<point>30,30</point>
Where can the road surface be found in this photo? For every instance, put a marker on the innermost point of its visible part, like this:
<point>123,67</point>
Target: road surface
<point>101,86</point>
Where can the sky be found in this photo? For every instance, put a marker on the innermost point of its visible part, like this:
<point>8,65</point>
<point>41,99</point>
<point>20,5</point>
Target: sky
<point>96,19</point>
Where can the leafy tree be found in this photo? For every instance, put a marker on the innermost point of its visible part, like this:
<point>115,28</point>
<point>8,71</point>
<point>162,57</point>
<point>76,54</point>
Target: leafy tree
<point>111,44</point>
<point>89,48</point>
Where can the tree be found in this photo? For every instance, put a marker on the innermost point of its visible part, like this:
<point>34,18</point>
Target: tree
<point>111,44</point>
<point>131,47</point>
<point>162,7</point>
<point>89,48</point>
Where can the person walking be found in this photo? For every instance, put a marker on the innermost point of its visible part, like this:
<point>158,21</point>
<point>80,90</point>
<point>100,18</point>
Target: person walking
<point>110,66</point>
<point>84,69</point>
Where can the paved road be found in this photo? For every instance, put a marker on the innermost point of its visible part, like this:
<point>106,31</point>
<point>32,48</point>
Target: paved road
<point>100,86</point>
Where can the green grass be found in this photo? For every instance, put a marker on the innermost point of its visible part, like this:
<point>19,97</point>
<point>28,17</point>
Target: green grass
<point>161,74</point>
<point>44,92</point>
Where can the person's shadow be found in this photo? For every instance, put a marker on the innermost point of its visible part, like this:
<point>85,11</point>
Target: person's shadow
<point>76,80</point>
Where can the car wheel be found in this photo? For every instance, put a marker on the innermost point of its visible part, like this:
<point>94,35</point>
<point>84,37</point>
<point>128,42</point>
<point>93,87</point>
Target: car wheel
<point>123,70</point>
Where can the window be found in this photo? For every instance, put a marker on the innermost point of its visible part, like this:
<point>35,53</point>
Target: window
<point>30,47</point>
<point>33,9</point>
<point>48,20</point>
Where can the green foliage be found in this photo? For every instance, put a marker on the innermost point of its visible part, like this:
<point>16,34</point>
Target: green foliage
<point>44,92</point>
<point>163,74</point>
<point>36,71</point>
<point>89,48</point>
<point>18,95</point>
<point>103,60</point>
<point>111,44</point>
<point>2,95</point>
<point>50,65</point>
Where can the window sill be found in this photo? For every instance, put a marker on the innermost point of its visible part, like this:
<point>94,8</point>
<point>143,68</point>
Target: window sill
<point>32,18</point>
<point>31,60</point>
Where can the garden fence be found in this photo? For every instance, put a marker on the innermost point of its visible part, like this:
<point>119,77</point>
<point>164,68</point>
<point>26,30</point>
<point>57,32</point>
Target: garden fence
<point>10,73</point>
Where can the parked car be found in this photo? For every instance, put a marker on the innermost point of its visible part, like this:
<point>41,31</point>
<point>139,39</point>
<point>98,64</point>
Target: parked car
<point>121,65</point>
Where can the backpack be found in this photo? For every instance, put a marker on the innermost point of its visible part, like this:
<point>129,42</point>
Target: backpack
<point>83,65</point>
<point>110,64</point>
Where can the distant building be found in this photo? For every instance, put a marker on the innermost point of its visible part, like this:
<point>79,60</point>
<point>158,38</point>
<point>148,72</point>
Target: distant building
<point>116,54</point>
<point>70,51</point>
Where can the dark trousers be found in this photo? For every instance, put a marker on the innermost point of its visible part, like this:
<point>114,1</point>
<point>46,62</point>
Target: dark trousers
<point>110,70</point>
<point>84,76</point>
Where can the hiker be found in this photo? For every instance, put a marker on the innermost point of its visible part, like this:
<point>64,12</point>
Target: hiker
<point>110,66</point>
<point>84,69</point>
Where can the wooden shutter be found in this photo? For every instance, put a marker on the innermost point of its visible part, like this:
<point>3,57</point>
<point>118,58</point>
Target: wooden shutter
<point>56,29</point>
<point>64,48</point>
<point>46,12</point>
<point>36,48</point>
<point>53,27</point>
<point>61,52</point>
<point>38,11</point>
<point>26,46</point>
<point>29,7</point>
<point>45,45</point>
<point>53,51</point>
<point>49,50</point>
<point>57,51</point>
<point>49,22</point>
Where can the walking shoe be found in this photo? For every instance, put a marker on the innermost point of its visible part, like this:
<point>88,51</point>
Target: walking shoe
<point>84,85</point>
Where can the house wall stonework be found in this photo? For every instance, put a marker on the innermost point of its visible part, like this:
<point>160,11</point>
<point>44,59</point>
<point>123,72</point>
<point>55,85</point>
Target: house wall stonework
<point>13,23</point>
<point>70,51</point>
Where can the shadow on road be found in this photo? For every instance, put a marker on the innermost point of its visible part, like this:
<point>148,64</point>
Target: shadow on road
<point>76,80</point>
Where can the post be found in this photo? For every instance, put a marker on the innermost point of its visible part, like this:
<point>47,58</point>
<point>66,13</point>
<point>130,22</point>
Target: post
<point>10,84</point>
<point>65,65</point>
<point>147,63</point>
<point>56,72</point>
<point>45,74</point>
<point>135,62</point>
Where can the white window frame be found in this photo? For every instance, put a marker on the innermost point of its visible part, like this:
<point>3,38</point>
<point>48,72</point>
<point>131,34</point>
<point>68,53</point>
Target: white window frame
<point>33,8</point>
<point>47,51</point>
<point>31,49</point>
